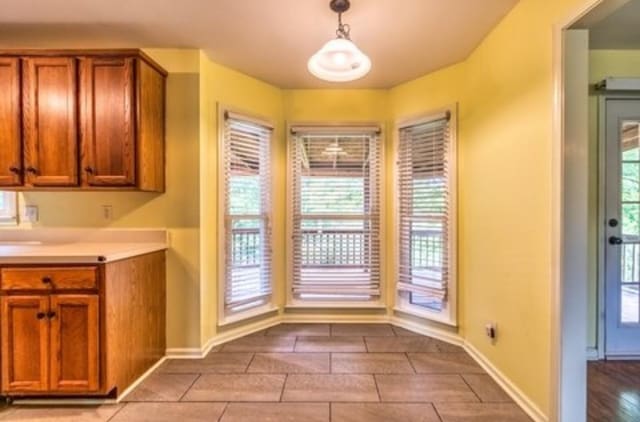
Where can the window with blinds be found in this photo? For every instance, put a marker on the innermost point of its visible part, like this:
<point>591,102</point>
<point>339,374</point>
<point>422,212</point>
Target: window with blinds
<point>8,210</point>
<point>336,215</point>
<point>247,214</point>
<point>426,201</point>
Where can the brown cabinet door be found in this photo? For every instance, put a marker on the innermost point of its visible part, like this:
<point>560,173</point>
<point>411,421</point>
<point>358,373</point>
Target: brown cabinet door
<point>10,137</point>
<point>25,343</point>
<point>74,359</point>
<point>107,95</point>
<point>49,121</point>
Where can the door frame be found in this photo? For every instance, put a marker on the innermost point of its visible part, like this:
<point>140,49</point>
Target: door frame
<point>601,284</point>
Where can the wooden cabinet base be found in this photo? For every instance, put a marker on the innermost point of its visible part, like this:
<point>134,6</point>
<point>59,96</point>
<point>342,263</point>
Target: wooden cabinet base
<point>84,342</point>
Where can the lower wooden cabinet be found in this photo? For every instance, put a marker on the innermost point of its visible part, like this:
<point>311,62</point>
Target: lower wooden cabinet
<point>74,330</point>
<point>50,343</point>
<point>25,343</point>
<point>73,350</point>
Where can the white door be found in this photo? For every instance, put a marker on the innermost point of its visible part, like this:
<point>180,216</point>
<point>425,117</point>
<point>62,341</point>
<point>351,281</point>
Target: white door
<point>622,251</point>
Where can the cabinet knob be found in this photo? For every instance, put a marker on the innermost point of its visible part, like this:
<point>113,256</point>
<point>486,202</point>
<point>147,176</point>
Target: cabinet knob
<point>40,315</point>
<point>15,170</point>
<point>89,170</point>
<point>31,169</point>
<point>46,280</point>
<point>51,314</point>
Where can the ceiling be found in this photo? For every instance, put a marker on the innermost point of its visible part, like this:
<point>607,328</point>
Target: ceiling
<point>613,25</point>
<point>268,39</point>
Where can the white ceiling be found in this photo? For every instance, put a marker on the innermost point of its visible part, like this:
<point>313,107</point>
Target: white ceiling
<point>615,24</point>
<point>267,39</point>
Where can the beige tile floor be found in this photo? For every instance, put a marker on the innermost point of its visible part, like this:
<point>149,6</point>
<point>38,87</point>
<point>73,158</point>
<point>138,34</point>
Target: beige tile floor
<point>309,373</point>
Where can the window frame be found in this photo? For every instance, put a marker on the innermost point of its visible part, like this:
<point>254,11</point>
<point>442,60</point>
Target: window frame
<point>268,306</point>
<point>290,301</point>
<point>9,213</point>
<point>448,315</point>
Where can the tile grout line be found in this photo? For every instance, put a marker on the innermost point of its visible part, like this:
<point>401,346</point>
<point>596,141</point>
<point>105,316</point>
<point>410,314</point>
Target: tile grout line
<point>470,388</point>
<point>190,387</point>
<point>253,356</point>
<point>410,362</point>
<point>435,409</point>
<point>375,381</point>
<point>226,406</point>
<point>117,411</point>
<point>284,384</point>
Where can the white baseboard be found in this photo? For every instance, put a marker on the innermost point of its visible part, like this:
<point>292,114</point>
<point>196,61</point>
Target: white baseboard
<point>329,319</point>
<point>507,385</point>
<point>592,353</point>
<point>220,338</point>
<point>443,335</point>
<point>140,379</point>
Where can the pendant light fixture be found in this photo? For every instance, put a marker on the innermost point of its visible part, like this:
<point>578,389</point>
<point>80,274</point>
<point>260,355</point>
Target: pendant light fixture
<point>339,60</point>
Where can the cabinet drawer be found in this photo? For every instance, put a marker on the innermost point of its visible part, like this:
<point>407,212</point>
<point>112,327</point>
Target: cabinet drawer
<point>48,278</point>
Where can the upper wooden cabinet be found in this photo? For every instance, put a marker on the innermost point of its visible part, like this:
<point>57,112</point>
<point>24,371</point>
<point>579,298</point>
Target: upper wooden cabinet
<point>86,120</point>
<point>50,126</point>
<point>10,136</point>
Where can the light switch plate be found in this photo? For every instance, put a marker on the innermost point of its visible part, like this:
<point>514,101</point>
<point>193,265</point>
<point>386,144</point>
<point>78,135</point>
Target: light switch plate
<point>31,214</point>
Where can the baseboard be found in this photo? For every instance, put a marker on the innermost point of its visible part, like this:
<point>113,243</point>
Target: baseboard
<point>443,335</point>
<point>220,338</point>
<point>592,353</point>
<point>137,382</point>
<point>294,318</point>
<point>507,385</point>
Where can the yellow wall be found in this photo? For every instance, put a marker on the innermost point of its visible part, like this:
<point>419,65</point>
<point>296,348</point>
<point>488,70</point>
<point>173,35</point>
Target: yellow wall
<point>602,64</point>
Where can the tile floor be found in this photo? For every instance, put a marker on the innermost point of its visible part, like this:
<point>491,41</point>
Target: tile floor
<point>310,373</point>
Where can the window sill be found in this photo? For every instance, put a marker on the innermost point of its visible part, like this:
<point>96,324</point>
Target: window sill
<point>9,222</point>
<point>333,305</point>
<point>440,317</point>
<point>251,313</point>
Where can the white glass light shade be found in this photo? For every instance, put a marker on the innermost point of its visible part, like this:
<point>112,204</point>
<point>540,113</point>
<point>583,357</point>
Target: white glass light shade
<point>339,60</point>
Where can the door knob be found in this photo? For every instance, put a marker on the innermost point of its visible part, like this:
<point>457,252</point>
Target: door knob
<point>614,240</point>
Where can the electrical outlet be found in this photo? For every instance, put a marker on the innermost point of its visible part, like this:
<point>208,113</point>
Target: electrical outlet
<point>31,214</point>
<point>107,212</point>
<point>491,330</point>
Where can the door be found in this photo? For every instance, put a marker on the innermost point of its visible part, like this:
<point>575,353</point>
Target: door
<point>108,121</point>
<point>25,343</point>
<point>50,123</point>
<point>622,253</point>
<point>74,343</point>
<point>10,138</point>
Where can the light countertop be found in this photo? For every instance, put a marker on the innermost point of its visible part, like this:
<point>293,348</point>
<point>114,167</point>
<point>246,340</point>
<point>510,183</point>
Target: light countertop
<point>60,246</point>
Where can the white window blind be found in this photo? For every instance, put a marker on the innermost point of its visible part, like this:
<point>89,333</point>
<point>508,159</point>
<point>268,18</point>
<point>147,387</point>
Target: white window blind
<point>247,214</point>
<point>8,209</point>
<point>425,174</point>
<point>336,215</point>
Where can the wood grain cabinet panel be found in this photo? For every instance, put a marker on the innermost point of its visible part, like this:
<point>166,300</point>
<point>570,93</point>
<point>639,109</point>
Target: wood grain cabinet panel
<point>50,121</point>
<point>10,130</point>
<point>25,344</point>
<point>48,278</point>
<point>74,343</point>
<point>107,115</point>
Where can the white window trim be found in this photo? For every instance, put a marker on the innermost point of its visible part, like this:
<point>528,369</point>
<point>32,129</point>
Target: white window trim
<point>9,213</point>
<point>291,301</point>
<point>449,313</point>
<point>268,306</point>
